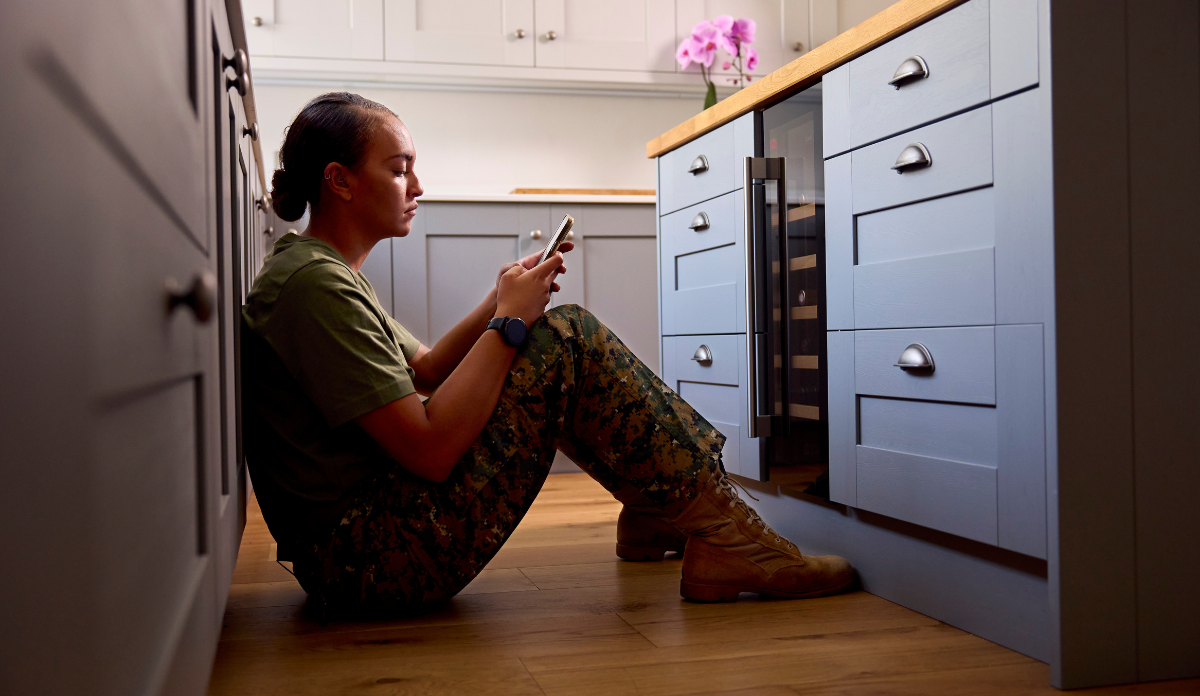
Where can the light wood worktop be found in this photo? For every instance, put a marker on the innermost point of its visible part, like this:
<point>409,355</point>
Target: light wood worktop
<point>805,70</point>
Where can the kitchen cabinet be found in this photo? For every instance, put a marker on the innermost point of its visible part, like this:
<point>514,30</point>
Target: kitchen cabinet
<point>1005,365</point>
<point>634,35</point>
<point>478,32</point>
<point>338,29</point>
<point>123,496</point>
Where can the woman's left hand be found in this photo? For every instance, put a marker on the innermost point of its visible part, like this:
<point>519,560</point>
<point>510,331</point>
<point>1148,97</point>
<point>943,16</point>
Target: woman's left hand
<point>532,260</point>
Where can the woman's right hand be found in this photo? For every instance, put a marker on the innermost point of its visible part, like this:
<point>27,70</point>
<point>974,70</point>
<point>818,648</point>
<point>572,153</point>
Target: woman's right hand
<point>525,293</point>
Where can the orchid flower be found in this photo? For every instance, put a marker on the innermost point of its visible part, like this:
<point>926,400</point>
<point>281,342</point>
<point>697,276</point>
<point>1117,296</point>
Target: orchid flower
<point>726,34</point>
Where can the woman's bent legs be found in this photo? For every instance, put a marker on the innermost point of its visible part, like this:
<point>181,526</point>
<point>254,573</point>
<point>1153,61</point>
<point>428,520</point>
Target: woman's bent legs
<point>408,542</point>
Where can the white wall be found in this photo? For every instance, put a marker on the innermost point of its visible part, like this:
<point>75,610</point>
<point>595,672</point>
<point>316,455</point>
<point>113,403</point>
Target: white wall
<point>492,142</point>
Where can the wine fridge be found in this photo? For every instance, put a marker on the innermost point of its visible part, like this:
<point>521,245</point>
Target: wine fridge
<point>785,266</point>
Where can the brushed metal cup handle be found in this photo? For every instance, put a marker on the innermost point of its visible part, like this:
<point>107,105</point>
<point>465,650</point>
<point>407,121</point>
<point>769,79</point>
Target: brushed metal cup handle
<point>917,358</point>
<point>915,156</point>
<point>201,296</point>
<point>551,35</point>
<point>536,234</point>
<point>698,165</point>
<point>703,355</point>
<point>520,33</point>
<point>240,63</point>
<point>911,69</point>
<point>700,222</point>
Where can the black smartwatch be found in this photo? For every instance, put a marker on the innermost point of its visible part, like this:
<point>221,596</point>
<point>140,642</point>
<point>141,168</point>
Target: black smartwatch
<point>512,329</point>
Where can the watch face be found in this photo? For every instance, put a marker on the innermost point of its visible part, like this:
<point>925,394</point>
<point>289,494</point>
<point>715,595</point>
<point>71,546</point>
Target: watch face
<point>514,331</point>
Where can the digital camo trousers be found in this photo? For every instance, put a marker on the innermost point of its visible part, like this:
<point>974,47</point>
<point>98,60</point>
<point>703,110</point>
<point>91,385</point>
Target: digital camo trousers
<point>407,543</point>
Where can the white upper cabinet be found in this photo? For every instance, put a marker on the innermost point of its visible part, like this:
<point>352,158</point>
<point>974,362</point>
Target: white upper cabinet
<point>610,35</point>
<point>474,32</point>
<point>315,28</point>
<point>781,24</point>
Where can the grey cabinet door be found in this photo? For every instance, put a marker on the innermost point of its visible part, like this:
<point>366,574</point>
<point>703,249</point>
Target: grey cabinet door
<point>105,503</point>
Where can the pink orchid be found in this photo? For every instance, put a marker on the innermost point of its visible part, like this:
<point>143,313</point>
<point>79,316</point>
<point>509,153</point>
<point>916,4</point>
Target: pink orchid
<point>724,23</point>
<point>751,59</point>
<point>725,65</point>
<point>685,54</point>
<point>713,35</point>
<point>742,31</point>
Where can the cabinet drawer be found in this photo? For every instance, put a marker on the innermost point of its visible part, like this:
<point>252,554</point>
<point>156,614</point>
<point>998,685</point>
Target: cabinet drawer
<point>955,50</point>
<point>724,151</point>
<point>960,153</point>
<point>725,367</point>
<point>964,362</point>
<point>944,290</point>
<point>701,269</point>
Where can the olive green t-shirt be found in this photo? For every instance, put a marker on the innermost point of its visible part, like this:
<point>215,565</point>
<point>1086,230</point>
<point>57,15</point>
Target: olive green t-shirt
<point>317,352</point>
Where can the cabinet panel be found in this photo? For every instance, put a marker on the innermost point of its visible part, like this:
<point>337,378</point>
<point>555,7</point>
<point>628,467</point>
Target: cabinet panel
<point>610,35</point>
<point>941,226</point>
<point>722,152</point>
<point>620,284</point>
<point>843,428</point>
<point>1021,406</point>
<point>944,290</point>
<point>953,497</point>
<point>717,392</point>
<point>479,32</point>
<point>462,271</point>
<point>316,28</point>
<point>378,269</point>
<point>954,47</point>
<point>701,269</point>
<point>955,432</point>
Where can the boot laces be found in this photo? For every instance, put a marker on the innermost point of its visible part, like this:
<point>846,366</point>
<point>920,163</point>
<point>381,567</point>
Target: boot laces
<point>726,485</point>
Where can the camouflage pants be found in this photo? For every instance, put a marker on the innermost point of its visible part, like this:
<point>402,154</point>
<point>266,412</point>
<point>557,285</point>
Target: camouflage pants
<point>407,542</point>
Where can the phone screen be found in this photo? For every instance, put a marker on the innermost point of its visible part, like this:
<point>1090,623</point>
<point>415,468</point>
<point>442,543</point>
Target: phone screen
<point>557,238</point>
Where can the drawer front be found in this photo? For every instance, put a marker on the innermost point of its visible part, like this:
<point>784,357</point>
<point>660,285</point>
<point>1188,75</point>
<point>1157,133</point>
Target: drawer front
<point>955,50</point>
<point>964,364</point>
<point>701,269</point>
<point>960,152</point>
<point>724,150</point>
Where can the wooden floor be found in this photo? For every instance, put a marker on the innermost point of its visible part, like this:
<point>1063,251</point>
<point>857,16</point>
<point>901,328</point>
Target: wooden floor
<point>557,613</point>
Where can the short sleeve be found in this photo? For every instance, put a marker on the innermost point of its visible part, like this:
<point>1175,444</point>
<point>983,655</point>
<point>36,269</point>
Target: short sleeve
<point>408,343</point>
<point>332,339</point>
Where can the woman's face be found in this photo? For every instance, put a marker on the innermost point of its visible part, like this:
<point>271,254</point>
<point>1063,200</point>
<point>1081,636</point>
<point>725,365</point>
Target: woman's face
<point>386,179</point>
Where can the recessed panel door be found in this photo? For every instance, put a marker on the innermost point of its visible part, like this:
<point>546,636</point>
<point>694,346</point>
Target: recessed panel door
<point>610,35</point>
<point>475,32</point>
<point>315,28</point>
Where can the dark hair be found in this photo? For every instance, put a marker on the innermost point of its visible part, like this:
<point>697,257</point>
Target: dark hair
<point>334,127</point>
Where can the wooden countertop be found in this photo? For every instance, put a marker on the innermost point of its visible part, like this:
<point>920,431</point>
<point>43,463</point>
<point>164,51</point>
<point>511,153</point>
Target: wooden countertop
<point>805,70</point>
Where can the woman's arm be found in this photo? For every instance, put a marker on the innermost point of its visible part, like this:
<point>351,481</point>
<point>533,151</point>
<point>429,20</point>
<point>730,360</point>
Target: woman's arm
<point>429,440</point>
<point>433,365</point>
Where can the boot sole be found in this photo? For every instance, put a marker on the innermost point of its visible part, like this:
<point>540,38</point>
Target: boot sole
<point>644,553</point>
<point>696,592</point>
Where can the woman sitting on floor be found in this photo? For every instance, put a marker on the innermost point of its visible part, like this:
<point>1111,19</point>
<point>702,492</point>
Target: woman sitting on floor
<point>390,503</point>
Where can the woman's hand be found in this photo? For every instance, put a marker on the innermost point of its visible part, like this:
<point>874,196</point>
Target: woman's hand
<point>530,261</point>
<point>525,293</point>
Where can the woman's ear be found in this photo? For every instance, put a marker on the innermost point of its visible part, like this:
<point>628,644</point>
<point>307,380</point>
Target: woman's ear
<point>337,180</point>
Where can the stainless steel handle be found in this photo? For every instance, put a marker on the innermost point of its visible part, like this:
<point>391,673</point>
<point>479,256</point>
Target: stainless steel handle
<point>751,285</point>
<point>240,63</point>
<point>913,68</point>
<point>551,35</point>
<point>536,234</point>
<point>915,156</point>
<point>201,296</point>
<point>917,358</point>
<point>703,355</point>
<point>700,222</point>
<point>698,165</point>
<point>251,130</point>
<point>520,33</point>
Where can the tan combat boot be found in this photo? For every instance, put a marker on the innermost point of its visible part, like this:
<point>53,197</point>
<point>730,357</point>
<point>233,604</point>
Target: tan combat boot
<point>645,537</point>
<point>730,550</point>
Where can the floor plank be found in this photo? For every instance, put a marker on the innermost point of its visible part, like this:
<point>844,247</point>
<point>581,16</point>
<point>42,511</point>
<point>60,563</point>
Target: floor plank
<point>556,612</point>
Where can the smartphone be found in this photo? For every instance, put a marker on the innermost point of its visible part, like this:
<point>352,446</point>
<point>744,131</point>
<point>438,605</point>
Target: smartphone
<point>557,238</point>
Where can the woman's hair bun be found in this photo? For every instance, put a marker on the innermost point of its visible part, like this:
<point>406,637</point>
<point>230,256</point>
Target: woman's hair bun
<point>288,203</point>
<point>334,127</point>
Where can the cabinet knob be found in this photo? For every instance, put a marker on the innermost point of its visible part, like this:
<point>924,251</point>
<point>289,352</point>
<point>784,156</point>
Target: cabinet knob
<point>201,296</point>
<point>917,358</point>
<point>798,47</point>
<point>251,130</point>
<point>703,355</point>
<point>268,231</point>
<point>915,156</point>
<point>536,234</point>
<point>264,202</point>
<point>551,35</point>
<point>240,63</point>
<point>257,21</point>
<point>700,222</point>
<point>913,68</point>
<point>520,33</point>
<point>698,165</point>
